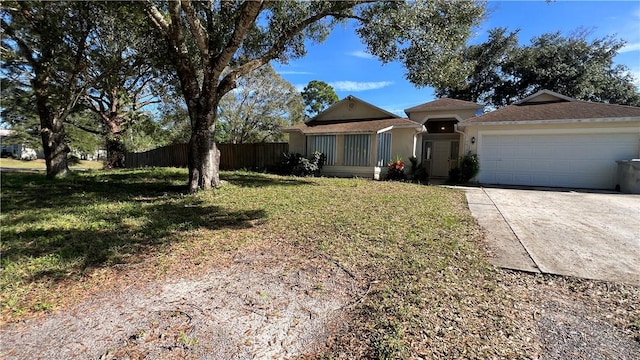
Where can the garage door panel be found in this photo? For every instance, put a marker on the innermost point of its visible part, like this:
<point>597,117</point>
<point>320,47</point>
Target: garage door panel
<point>567,160</point>
<point>506,165</point>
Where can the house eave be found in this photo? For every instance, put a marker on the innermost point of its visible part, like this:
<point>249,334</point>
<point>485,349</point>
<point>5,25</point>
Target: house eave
<point>409,126</point>
<point>550,122</point>
<point>292,130</point>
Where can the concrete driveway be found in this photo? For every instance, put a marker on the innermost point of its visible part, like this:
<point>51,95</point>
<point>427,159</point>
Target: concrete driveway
<point>583,234</point>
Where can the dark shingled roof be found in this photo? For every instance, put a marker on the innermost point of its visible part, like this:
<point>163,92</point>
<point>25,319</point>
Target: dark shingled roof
<point>561,110</point>
<point>444,104</point>
<point>350,126</point>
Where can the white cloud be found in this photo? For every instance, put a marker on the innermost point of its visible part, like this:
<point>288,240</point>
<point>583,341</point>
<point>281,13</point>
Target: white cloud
<point>300,87</point>
<point>629,48</point>
<point>359,86</point>
<point>361,54</point>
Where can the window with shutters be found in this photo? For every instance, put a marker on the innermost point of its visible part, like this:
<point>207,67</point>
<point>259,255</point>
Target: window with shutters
<point>357,149</point>
<point>384,149</point>
<point>325,144</point>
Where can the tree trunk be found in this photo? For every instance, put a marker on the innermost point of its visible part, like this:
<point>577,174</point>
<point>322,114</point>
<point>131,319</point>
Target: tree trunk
<point>204,156</point>
<point>52,131</point>
<point>55,147</point>
<point>115,152</point>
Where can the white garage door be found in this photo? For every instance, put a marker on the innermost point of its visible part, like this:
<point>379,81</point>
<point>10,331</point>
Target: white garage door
<point>569,160</point>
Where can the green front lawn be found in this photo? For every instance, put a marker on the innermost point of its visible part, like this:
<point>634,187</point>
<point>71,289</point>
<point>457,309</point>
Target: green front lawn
<point>415,249</point>
<point>39,164</point>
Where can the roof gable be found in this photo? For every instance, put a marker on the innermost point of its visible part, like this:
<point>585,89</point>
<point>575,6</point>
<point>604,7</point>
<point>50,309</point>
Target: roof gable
<point>351,108</point>
<point>544,96</point>
<point>444,104</point>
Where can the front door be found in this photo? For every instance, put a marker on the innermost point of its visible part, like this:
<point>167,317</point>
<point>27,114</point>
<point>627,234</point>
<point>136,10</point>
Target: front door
<point>440,158</point>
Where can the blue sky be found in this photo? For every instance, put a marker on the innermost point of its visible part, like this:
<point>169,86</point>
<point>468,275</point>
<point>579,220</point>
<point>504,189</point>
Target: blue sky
<point>342,62</point>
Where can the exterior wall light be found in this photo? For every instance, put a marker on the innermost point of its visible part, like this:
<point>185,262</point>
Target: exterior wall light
<point>473,139</point>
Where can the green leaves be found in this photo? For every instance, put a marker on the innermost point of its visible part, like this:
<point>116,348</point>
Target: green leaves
<point>504,72</point>
<point>428,37</point>
<point>259,108</point>
<point>318,95</point>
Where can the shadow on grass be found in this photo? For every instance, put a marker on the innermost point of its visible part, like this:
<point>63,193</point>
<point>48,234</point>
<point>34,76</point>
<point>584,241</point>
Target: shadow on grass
<point>63,226</point>
<point>248,179</point>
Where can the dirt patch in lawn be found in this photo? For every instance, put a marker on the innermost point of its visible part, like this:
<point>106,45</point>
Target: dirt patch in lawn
<point>258,306</point>
<point>575,318</point>
<point>263,304</point>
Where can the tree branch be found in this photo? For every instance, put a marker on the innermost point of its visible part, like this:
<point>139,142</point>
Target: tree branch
<point>229,81</point>
<point>247,17</point>
<point>84,128</point>
<point>27,53</point>
<point>156,16</point>
<point>197,30</point>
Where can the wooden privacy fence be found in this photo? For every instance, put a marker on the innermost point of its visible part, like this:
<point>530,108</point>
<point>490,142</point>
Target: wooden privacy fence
<point>232,156</point>
<point>167,156</point>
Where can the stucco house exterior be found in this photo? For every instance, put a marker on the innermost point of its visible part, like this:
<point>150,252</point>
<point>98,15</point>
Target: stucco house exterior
<point>546,139</point>
<point>358,138</point>
<point>442,143</point>
<point>549,139</point>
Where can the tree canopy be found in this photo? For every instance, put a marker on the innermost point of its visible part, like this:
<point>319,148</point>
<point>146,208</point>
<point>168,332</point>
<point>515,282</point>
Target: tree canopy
<point>213,44</point>
<point>504,72</point>
<point>318,95</point>
<point>44,48</point>
<point>258,109</point>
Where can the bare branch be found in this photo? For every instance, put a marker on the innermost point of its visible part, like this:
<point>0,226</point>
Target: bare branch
<point>142,104</point>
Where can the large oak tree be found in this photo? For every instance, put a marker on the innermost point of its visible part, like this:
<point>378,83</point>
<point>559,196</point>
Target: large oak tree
<point>44,48</point>
<point>214,43</point>
<point>128,79</point>
<point>504,72</point>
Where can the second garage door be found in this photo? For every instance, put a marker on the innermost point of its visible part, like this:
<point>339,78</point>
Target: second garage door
<point>567,160</point>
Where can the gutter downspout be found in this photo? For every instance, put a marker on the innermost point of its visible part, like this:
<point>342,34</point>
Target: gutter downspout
<point>417,132</point>
<point>464,139</point>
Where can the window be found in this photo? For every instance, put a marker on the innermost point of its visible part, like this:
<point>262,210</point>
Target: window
<point>453,154</point>
<point>384,149</point>
<point>427,150</point>
<point>356,150</point>
<point>325,144</point>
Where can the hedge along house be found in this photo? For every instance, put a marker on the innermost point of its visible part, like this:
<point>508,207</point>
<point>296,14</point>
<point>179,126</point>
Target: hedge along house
<point>442,144</point>
<point>358,138</point>
<point>549,139</point>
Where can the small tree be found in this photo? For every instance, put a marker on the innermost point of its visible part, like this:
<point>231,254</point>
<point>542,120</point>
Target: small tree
<point>258,109</point>
<point>318,95</point>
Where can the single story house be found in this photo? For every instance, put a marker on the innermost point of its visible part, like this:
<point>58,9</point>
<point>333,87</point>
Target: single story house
<point>358,138</point>
<point>546,139</point>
